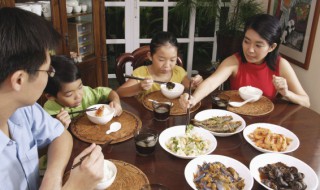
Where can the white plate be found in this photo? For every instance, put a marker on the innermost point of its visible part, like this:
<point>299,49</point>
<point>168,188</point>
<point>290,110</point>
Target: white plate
<point>262,160</point>
<point>294,144</point>
<point>243,171</point>
<point>180,131</point>
<point>206,114</point>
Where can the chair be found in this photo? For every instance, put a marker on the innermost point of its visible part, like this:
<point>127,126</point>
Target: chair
<point>138,57</point>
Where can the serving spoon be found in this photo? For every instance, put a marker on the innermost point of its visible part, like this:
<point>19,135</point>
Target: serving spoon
<point>239,104</point>
<point>114,127</point>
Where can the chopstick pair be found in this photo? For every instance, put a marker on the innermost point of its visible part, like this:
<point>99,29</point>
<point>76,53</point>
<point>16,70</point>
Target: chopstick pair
<point>79,111</point>
<point>188,109</point>
<point>83,157</point>
<point>138,78</point>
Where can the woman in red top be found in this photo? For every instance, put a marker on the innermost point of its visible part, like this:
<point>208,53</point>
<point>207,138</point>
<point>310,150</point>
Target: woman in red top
<point>258,64</point>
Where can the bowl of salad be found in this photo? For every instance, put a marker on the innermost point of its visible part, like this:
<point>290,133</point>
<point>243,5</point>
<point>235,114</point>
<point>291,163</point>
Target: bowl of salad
<point>187,145</point>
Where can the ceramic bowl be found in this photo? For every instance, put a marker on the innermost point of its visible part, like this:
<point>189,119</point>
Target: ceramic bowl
<point>101,120</point>
<point>248,92</point>
<point>172,93</point>
<point>110,173</point>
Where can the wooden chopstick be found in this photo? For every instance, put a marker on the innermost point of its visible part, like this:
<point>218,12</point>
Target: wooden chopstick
<point>79,111</point>
<point>188,109</point>
<point>138,78</point>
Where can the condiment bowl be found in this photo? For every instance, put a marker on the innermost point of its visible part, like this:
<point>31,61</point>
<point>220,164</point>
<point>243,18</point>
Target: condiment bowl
<point>107,115</point>
<point>172,93</point>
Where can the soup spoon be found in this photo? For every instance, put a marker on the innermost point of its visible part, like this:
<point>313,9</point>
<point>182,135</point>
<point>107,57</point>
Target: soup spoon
<point>239,104</point>
<point>114,127</point>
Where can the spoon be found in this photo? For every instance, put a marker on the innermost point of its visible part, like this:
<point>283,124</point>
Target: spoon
<point>239,104</point>
<point>114,127</point>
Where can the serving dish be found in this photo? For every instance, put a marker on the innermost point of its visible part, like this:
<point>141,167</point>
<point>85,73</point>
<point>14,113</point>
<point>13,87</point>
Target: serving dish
<point>206,114</point>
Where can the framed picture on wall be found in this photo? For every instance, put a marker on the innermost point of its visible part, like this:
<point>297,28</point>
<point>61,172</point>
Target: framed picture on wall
<point>299,19</point>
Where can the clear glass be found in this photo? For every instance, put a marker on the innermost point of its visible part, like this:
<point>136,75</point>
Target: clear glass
<point>145,140</point>
<point>80,29</point>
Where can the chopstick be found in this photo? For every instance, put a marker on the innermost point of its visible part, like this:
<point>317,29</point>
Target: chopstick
<point>138,78</point>
<point>83,157</point>
<point>79,111</point>
<point>188,109</point>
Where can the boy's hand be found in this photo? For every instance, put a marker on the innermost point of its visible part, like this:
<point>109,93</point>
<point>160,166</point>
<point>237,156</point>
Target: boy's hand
<point>117,106</point>
<point>64,117</point>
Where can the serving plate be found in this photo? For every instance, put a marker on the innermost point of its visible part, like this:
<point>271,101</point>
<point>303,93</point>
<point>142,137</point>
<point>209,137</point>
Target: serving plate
<point>294,144</point>
<point>206,114</point>
<point>243,171</point>
<point>180,131</point>
<point>262,160</point>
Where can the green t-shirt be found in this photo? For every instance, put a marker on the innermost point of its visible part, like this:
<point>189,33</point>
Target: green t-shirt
<point>90,97</point>
<point>178,74</point>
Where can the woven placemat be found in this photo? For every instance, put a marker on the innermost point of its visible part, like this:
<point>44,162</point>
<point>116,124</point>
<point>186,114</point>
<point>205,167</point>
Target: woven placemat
<point>128,177</point>
<point>87,131</point>
<point>261,107</point>
<point>176,109</point>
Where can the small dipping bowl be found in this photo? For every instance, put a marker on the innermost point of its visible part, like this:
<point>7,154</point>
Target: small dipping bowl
<point>161,110</point>
<point>154,186</point>
<point>219,100</point>
<point>145,140</point>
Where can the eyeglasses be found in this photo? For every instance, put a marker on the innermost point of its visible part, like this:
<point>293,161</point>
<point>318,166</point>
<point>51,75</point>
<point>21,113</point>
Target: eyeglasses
<point>51,71</point>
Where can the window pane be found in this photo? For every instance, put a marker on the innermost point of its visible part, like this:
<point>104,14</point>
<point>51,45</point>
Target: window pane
<point>202,55</point>
<point>178,26</point>
<point>113,51</point>
<point>183,53</point>
<point>151,21</point>
<point>204,27</point>
<point>115,22</point>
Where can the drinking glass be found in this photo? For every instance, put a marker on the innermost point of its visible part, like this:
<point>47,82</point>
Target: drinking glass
<point>145,140</point>
<point>161,110</point>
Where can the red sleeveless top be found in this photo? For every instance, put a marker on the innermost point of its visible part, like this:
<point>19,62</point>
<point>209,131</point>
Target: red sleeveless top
<point>256,75</point>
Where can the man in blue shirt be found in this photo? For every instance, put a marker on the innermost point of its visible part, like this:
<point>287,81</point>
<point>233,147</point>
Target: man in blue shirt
<point>25,127</point>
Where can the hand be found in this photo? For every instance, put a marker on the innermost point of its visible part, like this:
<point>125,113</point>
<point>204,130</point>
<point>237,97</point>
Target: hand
<point>64,117</point>
<point>196,80</point>
<point>185,102</point>
<point>90,172</point>
<point>146,83</point>
<point>281,85</point>
<point>117,106</point>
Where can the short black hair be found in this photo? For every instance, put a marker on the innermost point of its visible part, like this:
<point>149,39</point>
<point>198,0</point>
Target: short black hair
<point>161,39</point>
<point>25,39</point>
<point>65,72</point>
<point>269,28</point>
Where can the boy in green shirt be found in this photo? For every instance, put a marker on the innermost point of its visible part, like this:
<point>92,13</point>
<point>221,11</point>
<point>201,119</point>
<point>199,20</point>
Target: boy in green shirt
<point>66,93</point>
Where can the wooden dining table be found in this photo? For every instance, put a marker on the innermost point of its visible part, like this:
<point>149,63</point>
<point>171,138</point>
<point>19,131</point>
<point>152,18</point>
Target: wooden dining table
<point>162,167</point>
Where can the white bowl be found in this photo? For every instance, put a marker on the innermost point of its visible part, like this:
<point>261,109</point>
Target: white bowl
<point>172,93</point>
<point>206,114</point>
<point>294,144</point>
<point>110,173</point>
<point>262,160</point>
<point>241,169</point>
<point>248,92</point>
<point>180,131</point>
<point>105,118</point>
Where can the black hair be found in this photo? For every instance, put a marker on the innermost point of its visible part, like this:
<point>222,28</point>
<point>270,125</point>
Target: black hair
<point>65,72</point>
<point>161,39</point>
<point>269,28</point>
<point>25,39</point>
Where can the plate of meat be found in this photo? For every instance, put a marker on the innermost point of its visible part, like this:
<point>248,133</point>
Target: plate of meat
<point>220,123</point>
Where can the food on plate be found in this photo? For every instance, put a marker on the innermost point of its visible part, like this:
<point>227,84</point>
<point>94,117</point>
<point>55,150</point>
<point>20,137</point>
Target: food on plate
<point>220,124</point>
<point>216,175</point>
<point>281,176</point>
<point>266,139</point>
<point>99,112</point>
<point>189,144</point>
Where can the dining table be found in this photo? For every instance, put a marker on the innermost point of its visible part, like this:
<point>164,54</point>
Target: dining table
<point>164,168</point>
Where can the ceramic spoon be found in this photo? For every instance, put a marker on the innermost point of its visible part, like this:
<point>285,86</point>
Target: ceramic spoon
<point>114,127</point>
<point>239,104</point>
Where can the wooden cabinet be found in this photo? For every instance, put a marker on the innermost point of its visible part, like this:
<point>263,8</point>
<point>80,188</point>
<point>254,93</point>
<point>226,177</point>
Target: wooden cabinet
<point>83,32</point>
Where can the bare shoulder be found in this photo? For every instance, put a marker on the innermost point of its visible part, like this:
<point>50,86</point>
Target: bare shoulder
<point>285,66</point>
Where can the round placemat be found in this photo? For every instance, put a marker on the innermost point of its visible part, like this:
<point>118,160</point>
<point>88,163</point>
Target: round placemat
<point>87,131</point>
<point>128,177</point>
<point>176,109</point>
<point>261,107</point>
